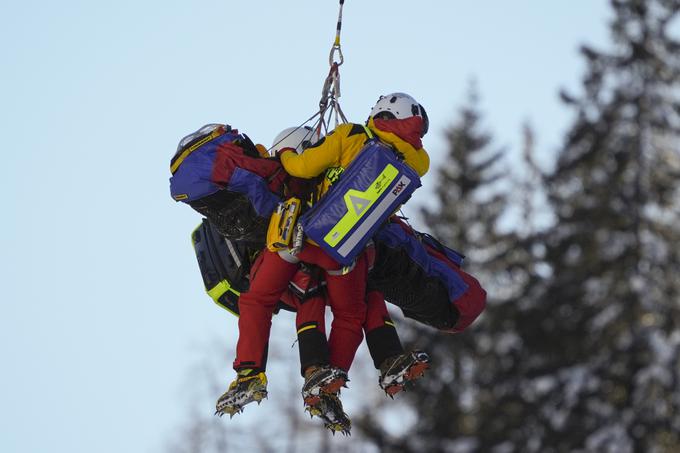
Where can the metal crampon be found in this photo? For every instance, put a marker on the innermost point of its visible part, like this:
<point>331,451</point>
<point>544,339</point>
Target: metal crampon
<point>324,379</point>
<point>329,409</point>
<point>243,390</point>
<point>401,369</point>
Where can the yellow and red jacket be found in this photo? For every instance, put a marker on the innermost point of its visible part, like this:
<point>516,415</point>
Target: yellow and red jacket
<point>333,154</point>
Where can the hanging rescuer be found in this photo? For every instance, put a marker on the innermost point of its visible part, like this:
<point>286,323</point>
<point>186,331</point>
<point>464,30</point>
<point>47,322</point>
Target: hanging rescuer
<point>365,173</point>
<point>393,132</point>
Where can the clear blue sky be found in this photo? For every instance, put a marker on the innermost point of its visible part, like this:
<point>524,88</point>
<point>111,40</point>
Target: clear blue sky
<point>101,296</point>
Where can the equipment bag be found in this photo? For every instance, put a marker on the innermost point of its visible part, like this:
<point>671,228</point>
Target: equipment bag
<point>372,187</point>
<point>224,265</point>
<point>220,174</point>
<point>282,223</point>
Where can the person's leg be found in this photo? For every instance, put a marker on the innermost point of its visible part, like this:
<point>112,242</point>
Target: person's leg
<point>268,280</point>
<point>346,296</point>
<point>320,377</point>
<point>322,381</point>
<point>396,366</point>
<point>310,324</point>
<point>381,333</point>
<point>311,332</point>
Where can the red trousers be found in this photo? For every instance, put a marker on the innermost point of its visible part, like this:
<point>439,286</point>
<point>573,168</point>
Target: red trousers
<point>346,297</point>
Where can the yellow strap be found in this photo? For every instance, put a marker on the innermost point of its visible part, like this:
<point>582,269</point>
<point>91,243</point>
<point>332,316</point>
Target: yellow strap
<point>338,27</point>
<point>390,323</point>
<point>214,134</point>
<point>243,376</point>
<point>368,131</point>
<point>306,328</point>
<point>218,290</point>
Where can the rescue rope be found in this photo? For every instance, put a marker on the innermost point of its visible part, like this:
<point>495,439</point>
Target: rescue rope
<point>336,43</point>
<point>329,111</point>
<point>329,105</point>
<point>301,125</point>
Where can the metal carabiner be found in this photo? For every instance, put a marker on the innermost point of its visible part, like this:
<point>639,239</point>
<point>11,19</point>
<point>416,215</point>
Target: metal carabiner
<point>331,56</point>
<point>327,87</point>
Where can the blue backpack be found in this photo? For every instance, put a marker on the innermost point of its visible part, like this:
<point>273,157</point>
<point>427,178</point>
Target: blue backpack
<point>219,173</point>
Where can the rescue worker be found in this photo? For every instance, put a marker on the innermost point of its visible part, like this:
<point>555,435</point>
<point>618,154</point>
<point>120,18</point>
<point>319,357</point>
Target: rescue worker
<point>396,119</point>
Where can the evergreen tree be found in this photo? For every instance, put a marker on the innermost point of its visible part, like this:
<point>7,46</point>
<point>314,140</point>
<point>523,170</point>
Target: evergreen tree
<point>467,211</point>
<point>602,341</point>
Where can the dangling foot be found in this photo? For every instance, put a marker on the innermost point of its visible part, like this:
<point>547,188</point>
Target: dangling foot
<point>329,408</point>
<point>397,371</point>
<point>322,379</point>
<point>248,386</point>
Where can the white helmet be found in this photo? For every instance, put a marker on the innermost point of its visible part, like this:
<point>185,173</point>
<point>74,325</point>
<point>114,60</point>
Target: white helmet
<point>298,138</point>
<point>400,106</point>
